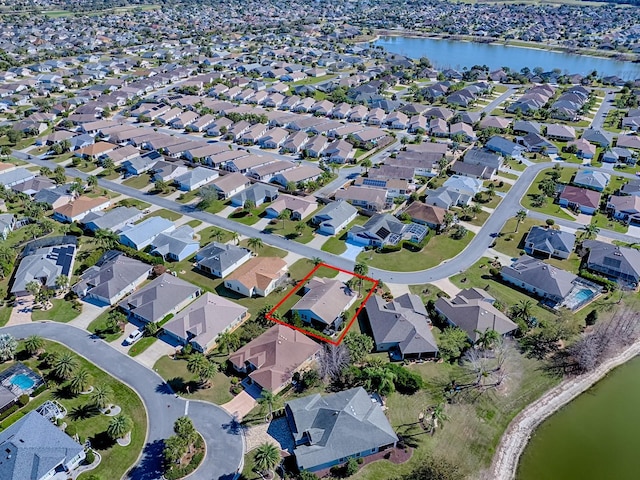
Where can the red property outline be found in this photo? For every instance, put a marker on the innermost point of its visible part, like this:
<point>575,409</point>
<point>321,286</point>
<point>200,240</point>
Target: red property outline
<point>270,316</point>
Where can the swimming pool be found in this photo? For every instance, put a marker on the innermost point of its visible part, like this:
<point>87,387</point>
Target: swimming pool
<point>25,382</point>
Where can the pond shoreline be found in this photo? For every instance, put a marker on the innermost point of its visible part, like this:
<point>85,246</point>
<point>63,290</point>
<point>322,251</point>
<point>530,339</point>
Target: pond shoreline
<point>516,437</point>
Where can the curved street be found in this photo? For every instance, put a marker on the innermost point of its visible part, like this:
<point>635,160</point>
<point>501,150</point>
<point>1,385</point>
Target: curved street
<point>225,444</point>
<point>505,210</point>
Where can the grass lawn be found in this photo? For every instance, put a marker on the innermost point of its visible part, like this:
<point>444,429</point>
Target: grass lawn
<point>616,183</point>
<point>61,311</point>
<point>504,188</point>
<point>186,197</point>
<point>141,345</point>
<point>116,460</point>
<point>510,241</point>
<point>194,223</point>
<point>479,219</point>
<point>164,213</point>
<point>425,291</point>
<point>138,182</point>
<point>176,374</point>
<point>99,324</point>
<point>549,208</point>
<point>216,206</point>
<point>5,313</point>
<point>249,218</point>
<point>266,250</point>
<point>602,221</point>
<point>287,229</point>
<point>302,267</point>
<point>510,176</point>
<point>207,235</point>
<point>439,248</point>
<point>133,202</point>
<point>312,80</point>
<point>334,245</point>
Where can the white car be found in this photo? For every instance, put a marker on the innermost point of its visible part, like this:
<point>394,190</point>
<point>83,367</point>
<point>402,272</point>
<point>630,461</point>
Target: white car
<point>133,337</point>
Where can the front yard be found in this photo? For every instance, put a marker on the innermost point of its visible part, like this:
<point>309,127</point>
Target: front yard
<point>61,311</point>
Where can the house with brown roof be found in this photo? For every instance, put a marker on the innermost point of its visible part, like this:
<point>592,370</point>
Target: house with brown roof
<point>580,199</point>
<point>271,359</point>
<point>79,208</point>
<point>324,302</point>
<point>229,185</point>
<point>95,150</point>
<point>430,215</point>
<point>304,173</point>
<point>258,277</point>
<point>300,207</point>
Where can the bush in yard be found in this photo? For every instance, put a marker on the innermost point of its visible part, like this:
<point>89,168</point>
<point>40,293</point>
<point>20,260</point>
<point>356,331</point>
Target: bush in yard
<point>351,468</point>
<point>406,381</point>
<point>592,317</point>
<point>90,457</point>
<point>23,399</point>
<point>550,222</point>
<point>71,430</point>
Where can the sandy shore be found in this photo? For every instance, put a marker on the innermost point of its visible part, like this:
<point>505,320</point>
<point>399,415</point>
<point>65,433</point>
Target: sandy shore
<point>516,437</point>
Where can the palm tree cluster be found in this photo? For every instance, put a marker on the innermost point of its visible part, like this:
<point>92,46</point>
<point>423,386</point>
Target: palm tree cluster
<point>266,458</point>
<point>200,365</point>
<point>176,446</point>
<point>119,426</point>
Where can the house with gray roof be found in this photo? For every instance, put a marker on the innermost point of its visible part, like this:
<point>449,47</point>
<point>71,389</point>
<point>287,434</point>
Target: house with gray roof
<point>323,303</point>
<point>539,278</point>
<point>592,179</point>
<point>328,430</point>
<point>258,193</point>
<point>477,156</point>
<point>195,178</point>
<point>201,323</point>
<point>140,235</point>
<point>613,261</point>
<point>176,245</point>
<point>384,229</point>
<point>142,164</point>
<point>111,278</point>
<point>401,327</point>
<point>16,176</point>
<point>505,147</point>
<point>164,295</point>
<point>549,242</point>
<point>113,220</point>
<point>55,197</point>
<point>35,449</point>
<point>44,265</point>
<point>334,217</point>
<point>7,224</point>
<point>472,310</point>
<point>221,259</point>
<point>597,137</point>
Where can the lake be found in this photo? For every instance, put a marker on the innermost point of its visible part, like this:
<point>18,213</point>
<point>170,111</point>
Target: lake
<point>458,54</point>
<point>595,437</point>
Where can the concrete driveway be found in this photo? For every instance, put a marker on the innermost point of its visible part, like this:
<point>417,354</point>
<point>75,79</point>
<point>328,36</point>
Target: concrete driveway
<point>240,405</point>
<point>352,251</point>
<point>222,434</point>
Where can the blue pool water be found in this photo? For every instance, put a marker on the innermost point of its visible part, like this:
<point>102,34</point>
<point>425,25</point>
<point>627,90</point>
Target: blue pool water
<point>23,381</point>
<point>583,295</point>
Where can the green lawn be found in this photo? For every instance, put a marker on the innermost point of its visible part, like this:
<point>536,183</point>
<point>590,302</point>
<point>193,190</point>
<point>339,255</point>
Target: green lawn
<point>5,313</point>
<point>207,235</point>
<point>266,250</point>
<point>312,80</point>
<point>439,248</point>
<point>302,267</point>
<point>133,202</point>
<point>510,241</point>
<point>334,245</point>
<point>549,208</point>
<point>194,223</point>
<point>116,460</point>
<point>164,213</point>
<point>602,221</point>
<point>99,324</point>
<point>176,374</point>
<point>287,229</point>
<point>141,345</point>
<point>248,218</point>
<point>138,182</point>
<point>61,311</point>
<point>186,197</point>
<point>216,207</point>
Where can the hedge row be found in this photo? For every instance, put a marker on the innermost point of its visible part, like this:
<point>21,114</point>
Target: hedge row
<point>143,257</point>
<point>608,284</point>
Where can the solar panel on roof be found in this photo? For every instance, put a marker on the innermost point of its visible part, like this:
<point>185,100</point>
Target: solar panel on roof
<point>383,233</point>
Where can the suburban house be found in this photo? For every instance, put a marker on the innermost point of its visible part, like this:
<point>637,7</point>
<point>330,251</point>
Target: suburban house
<point>201,323</point>
<point>625,208</point>
<point>563,133</point>
<point>80,208</point>
<point>258,277</point>
<point>195,178</point>
<point>591,179</point>
<point>540,279</point>
<point>168,171</point>
<point>613,261</point>
<point>271,359</point>
<point>401,327</point>
<point>162,296</point>
<point>44,265</point>
<point>534,142</point>
<point>229,185</point>
<point>258,193</point>
<point>457,190</point>
<point>584,149</point>
<point>484,158</point>
<point>328,430</point>
<point>384,229</point>
<point>367,198</point>
<point>472,310</point>
<point>504,147</point>
<point>140,235</point>
<point>111,278</point>
<point>220,259</point>
<point>429,215</point>
<point>300,207</point>
<point>334,217</point>
<point>323,303</point>
<point>113,220</point>
<point>549,242</point>
<point>619,154</point>
<point>55,197</point>
<point>36,449</point>
<point>176,245</point>
<point>303,173</point>
<point>7,224</point>
<point>581,199</point>
<point>12,177</point>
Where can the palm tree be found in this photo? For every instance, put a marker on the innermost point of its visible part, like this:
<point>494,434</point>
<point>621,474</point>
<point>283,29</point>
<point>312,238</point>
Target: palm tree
<point>267,399</point>
<point>65,366</point>
<point>521,215</point>
<point>366,164</point>
<point>523,309</point>
<point>300,227</point>
<point>33,344</point>
<point>361,269</point>
<point>315,261</point>
<point>80,381</point>
<point>284,215</point>
<point>207,372</point>
<point>438,416</point>
<point>447,220</point>
<point>62,281</point>
<point>487,339</point>
<point>106,238</point>
<point>196,362</point>
<point>255,243</point>
<point>228,340</point>
<point>217,234</point>
<point>92,181</point>
<point>267,457</point>
<point>235,237</point>
<point>101,397</point>
<point>8,347</point>
<point>160,186</point>
<point>119,426</point>
<point>589,231</point>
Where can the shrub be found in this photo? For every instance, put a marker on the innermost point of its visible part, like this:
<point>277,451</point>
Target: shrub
<point>592,317</point>
<point>494,272</point>
<point>9,411</point>
<point>550,221</point>
<point>351,468</point>
<point>23,399</point>
<point>406,381</point>
<point>90,457</point>
<point>71,430</point>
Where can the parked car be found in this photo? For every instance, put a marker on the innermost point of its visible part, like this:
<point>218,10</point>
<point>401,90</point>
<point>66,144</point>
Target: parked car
<point>133,337</point>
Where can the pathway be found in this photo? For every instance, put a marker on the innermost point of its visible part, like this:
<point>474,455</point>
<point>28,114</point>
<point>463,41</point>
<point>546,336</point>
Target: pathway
<point>21,312</point>
<point>223,437</point>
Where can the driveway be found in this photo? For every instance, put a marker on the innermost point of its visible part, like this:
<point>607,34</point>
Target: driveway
<point>223,436</point>
<point>240,405</point>
<point>352,251</point>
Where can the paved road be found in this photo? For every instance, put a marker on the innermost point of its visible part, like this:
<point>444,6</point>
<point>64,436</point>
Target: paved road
<point>472,253</point>
<point>603,111</point>
<point>225,445</point>
<point>494,104</point>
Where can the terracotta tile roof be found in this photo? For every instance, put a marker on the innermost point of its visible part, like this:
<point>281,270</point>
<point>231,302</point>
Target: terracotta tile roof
<point>259,272</point>
<point>80,205</point>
